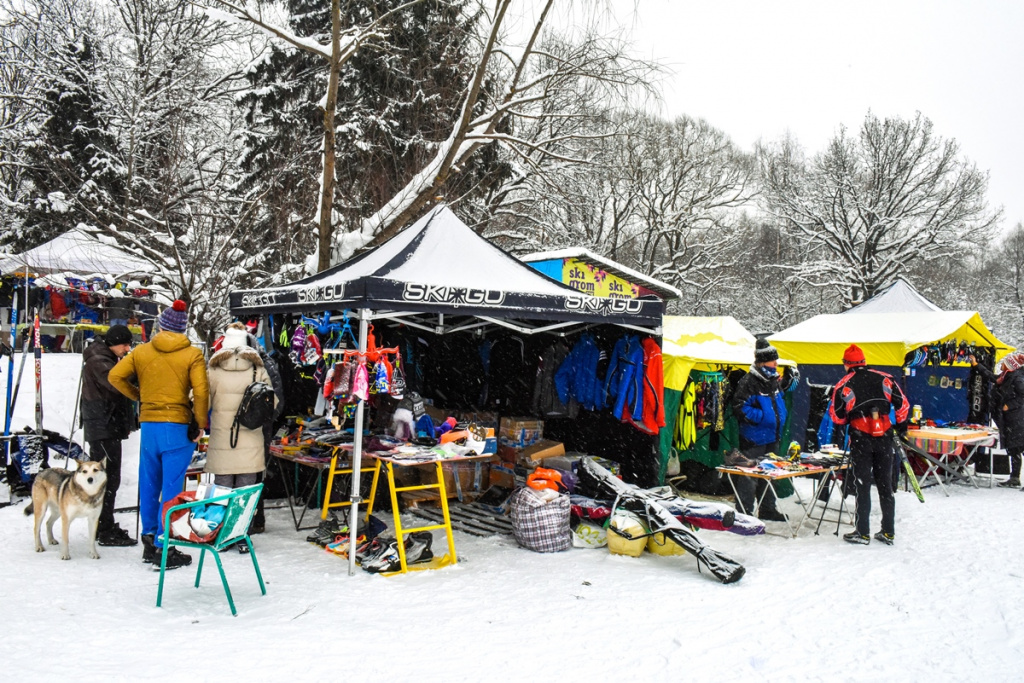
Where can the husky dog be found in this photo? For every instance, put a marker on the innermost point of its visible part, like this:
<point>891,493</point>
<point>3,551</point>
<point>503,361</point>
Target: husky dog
<point>70,495</point>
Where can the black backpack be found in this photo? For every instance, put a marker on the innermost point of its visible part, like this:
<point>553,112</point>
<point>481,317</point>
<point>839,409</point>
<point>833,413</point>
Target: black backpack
<point>256,408</point>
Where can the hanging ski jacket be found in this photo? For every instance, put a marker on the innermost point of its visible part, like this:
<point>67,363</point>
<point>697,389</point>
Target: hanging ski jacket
<point>653,389</point>
<point>546,401</point>
<point>863,390</point>
<point>760,407</point>
<point>624,384</point>
<point>576,378</point>
<point>686,425</point>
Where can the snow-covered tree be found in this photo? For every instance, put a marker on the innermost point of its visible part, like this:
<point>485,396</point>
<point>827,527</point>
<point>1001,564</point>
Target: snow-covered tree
<point>527,73</point>
<point>876,202</point>
<point>72,166</point>
<point>57,163</point>
<point>392,97</point>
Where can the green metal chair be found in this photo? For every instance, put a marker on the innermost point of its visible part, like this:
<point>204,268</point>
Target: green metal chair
<point>241,506</point>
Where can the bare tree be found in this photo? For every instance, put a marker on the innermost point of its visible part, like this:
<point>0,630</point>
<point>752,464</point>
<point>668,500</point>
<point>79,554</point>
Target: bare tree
<point>877,202</point>
<point>541,70</point>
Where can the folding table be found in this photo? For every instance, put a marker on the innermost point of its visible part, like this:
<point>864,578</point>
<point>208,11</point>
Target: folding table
<point>387,463</point>
<point>948,451</point>
<point>771,476</point>
<point>312,489</point>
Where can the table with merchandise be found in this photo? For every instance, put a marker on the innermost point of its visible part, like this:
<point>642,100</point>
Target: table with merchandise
<point>948,451</point>
<point>823,464</point>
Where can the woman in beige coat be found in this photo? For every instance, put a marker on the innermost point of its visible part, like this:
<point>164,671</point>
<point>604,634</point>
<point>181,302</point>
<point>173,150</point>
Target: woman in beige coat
<point>231,370</point>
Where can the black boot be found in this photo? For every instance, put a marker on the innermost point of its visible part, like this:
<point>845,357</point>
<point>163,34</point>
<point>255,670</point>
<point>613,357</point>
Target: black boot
<point>151,554</point>
<point>115,536</point>
<point>770,514</point>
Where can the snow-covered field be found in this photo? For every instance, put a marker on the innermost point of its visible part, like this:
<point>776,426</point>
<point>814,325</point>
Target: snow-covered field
<point>945,604</point>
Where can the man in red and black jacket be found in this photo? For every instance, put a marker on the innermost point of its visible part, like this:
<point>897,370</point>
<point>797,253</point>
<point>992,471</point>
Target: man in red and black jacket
<point>863,399</point>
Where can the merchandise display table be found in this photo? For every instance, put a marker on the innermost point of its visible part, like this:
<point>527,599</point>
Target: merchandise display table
<point>772,476</point>
<point>948,452</point>
<point>297,456</point>
<point>387,463</point>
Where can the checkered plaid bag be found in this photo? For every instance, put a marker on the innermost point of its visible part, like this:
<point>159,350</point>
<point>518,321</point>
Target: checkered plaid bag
<point>539,526</point>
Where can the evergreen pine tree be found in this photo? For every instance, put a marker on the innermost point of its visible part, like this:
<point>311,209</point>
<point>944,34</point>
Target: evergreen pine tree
<point>74,174</point>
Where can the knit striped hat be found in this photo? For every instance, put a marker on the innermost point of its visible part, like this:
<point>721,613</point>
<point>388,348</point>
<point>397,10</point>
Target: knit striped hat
<point>174,318</point>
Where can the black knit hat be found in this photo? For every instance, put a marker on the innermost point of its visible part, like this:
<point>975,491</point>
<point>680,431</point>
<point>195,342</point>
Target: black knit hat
<point>764,352</point>
<point>117,334</point>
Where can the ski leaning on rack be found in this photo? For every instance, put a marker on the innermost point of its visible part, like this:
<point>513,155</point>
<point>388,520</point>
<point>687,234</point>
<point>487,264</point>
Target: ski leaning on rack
<point>21,373</point>
<point>659,519</point>
<point>911,477</point>
<point>8,416</point>
<point>39,376</point>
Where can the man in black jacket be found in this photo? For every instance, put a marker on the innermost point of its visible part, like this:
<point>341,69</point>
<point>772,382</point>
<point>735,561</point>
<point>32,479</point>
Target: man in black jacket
<point>108,417</point>
<point>863,399</point>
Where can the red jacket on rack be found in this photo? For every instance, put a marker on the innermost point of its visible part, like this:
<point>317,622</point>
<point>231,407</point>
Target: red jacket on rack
<point>654,389</point>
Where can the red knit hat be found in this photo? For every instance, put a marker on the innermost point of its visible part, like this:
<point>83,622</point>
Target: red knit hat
<point>853,356</point>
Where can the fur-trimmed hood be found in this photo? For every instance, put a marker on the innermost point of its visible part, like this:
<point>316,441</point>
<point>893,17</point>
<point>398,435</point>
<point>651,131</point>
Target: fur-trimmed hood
<point>236,359</point>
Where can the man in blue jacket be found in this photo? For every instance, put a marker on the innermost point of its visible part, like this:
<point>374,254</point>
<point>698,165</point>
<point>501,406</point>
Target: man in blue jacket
<point>760,410</point>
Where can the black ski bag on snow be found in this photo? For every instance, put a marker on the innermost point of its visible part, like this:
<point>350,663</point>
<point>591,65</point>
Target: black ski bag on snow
<point>256,408</point>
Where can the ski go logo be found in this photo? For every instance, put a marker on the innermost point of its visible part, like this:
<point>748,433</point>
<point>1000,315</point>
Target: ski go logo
<point>452,295</point>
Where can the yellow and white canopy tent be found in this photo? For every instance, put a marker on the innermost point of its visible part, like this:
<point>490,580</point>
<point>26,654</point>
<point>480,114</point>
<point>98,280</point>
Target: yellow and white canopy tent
<point>695,349</point>
<point>886,339</point>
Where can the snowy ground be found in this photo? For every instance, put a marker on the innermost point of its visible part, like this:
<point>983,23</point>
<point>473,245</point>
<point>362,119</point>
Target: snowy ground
<point>944,604</point>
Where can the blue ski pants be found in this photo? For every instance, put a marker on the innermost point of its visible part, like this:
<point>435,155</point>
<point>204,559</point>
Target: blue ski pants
<point>164,457</point>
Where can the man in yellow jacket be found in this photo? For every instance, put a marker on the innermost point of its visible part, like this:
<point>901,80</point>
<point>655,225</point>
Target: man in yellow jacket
<point>168,376</point>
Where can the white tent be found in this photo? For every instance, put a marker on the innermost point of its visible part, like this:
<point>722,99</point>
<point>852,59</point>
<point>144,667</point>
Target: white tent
<point>899,297</point>
<point>79,253</point>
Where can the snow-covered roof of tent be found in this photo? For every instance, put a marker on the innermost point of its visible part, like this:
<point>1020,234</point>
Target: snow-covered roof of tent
<point>886,338</point>
<point>899,297</point>
<point>662,289</point>
<point>688,341</point>
<point>76,252</point>
<point>440,265</point>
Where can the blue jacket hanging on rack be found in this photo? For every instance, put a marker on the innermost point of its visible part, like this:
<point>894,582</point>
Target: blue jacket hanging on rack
<point>577,375</point>
<point>624,384</point>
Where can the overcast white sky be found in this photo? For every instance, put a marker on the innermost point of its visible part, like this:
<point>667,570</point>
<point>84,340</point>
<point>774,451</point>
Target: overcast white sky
<point>757,68</point>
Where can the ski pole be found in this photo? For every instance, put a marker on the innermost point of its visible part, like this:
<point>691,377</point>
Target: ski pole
<point>74,413</point>
<point>10,377</point>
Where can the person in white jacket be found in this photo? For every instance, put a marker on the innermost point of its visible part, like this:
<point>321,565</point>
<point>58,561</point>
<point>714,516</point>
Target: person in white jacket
<point>231,371</point>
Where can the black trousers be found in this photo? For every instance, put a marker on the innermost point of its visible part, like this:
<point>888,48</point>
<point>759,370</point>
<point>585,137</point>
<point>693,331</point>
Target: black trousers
<point>873,464</point>
<point>111,450</point>
<point>750,489</point>
<point>1015,458</point>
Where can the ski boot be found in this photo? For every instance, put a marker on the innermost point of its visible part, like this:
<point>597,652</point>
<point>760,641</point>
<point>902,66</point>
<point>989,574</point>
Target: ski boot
<point>885,538</point>
<point>1011,483</point>
<point>857,537</point>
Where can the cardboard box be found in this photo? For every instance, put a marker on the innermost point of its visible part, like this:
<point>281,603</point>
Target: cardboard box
<point>520,432</point>
<point>483,418</point>
<point>474,477</point>
<point>542,449</point>
<point>503,476</point>
<point>508,454</point>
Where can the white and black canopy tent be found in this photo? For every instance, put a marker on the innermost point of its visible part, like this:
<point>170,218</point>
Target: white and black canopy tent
<point>439,275</point>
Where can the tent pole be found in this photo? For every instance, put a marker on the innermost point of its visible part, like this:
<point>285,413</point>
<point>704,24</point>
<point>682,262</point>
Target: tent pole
<point>357,451</point>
